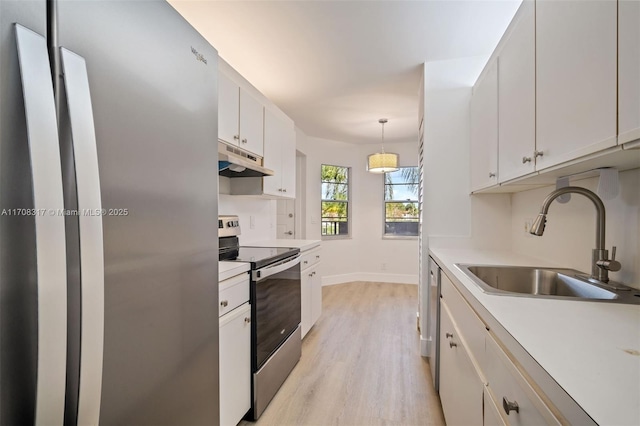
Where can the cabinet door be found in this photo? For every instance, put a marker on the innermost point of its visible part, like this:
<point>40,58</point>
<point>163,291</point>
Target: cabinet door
<point>273,140</point>
<point>516,99</point>
<point>288,154</point>
<point>306,294</point>
<point>575,78</point>
<point>484,130</point>
<point>316,295</point>
<point>251,124</point>
<point>629,70</point>
<point>492,415</point>
<point>235,365</point>
<point>228,110</point>
<point>460,385</point>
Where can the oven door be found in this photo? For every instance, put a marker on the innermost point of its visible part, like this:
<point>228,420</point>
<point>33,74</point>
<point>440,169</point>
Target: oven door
<point>276,303</point>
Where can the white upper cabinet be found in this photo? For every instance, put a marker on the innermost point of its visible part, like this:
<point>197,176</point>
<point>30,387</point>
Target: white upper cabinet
<point>575,78</point>
<point>251,123</point>
<point>484,129</point>
<point>228,109</point>
<point>240,117</point>
<point>517,97</point>
<point>279,155</point>
<point>629,70</point>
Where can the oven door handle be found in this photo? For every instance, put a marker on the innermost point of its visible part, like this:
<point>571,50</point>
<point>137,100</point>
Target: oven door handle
<point>274,269</point>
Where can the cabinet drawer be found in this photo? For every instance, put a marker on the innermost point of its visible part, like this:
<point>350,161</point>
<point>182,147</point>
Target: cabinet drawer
<point>309,258</point>
<point>472,328</point>
<point>233,292</point>
<point>507,384</point>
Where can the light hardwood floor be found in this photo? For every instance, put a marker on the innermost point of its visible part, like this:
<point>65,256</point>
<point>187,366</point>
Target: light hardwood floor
<point>360,364</point>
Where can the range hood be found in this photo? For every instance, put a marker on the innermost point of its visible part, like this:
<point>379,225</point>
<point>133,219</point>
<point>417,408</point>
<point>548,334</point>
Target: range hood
<point>235,162</point>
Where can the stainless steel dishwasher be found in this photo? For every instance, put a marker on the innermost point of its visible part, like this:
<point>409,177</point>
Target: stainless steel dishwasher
<point>434,322</point>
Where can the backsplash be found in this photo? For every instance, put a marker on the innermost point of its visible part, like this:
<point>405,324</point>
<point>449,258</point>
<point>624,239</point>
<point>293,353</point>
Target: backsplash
<point>569,236</point>
<point>262,211</point>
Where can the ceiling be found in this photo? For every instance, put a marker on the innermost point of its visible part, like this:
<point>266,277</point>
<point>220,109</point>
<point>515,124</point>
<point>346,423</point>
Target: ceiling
<point>336,67</point>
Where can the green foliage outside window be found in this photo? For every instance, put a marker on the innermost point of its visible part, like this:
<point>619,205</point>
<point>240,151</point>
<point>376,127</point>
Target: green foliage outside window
<point>402,213</point>
<point>335,200</point>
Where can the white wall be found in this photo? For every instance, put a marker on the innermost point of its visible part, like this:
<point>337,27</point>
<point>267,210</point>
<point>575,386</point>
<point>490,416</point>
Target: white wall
<point>570,232</point>
<point>262,210</point>
<point>453,218</point>
<point>362,256</point>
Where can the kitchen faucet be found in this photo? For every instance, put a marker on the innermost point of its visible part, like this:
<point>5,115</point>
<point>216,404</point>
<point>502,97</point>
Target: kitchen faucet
<point>600,264</point>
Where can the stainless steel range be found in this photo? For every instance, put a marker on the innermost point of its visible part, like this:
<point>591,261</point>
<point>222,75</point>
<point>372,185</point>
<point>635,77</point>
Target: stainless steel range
<point>276,339</point>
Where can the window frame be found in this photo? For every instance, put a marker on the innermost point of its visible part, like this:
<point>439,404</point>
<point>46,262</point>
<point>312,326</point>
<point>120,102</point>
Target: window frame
<point>347,201</point>
<point>416,201</point>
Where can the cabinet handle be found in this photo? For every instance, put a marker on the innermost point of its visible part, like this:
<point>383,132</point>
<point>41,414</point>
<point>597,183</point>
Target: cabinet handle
<point>284,190</point>
<point>244,140</point>
<point>224,303</point>
<point>453,344</point>
<point>247,320</point>
<point>447,335</point>
<point>305,262</point>
<point>317,256</point>
<point>526,160</point>
<point>236,137</point>
<point>537,154</point>
<point>510,406</point>
<point>280,189</point>
<point>310,275</point>
<point>492,175</point>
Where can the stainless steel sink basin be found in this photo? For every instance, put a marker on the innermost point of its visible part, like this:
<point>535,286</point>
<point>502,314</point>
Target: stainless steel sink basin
<point>546,282</point>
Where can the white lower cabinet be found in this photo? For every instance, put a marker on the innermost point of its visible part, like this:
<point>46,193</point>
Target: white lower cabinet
<point>491,415</point>
<point>512,392</point>
<point>235,349</point>
<point>460,385</point>
<point>235,365</point>
<point>479,383</point>
<point>311,291</point>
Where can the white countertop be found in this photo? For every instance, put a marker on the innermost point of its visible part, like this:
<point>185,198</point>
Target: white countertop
<point>301,244</point>
<point>231,269</point>
<point>591,349</point>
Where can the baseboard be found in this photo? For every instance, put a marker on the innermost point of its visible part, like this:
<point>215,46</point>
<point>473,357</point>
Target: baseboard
<point>425,346</point>
<point>367,276</point>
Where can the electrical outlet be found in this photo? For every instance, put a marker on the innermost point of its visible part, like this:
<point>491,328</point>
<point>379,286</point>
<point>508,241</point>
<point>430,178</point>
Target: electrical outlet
<point>252,222</point>
<point>314,219</point>
<point>383,267</point>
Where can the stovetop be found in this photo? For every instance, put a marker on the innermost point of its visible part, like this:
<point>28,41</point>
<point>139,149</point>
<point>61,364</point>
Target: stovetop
<point>257,256</point>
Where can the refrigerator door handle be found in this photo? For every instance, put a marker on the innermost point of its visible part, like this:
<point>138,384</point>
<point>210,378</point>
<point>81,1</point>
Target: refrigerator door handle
<point>90,213</point>
<point>48,202</point>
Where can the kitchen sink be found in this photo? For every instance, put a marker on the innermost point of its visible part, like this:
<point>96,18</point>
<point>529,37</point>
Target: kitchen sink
<point>547,283</point>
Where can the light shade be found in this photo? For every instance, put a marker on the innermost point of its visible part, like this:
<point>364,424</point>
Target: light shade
<point>382,162</point>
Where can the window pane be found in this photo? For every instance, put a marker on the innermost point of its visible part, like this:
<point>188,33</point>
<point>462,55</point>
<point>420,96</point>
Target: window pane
<point>401,219</point>
<point>334,191</point>
<point>401,192</point>
<point>335,174</point>
<point>403,176</point>
<point>334,210</point>
<point>334,218</point>
<point>335,200</point>
<point>402,211</point>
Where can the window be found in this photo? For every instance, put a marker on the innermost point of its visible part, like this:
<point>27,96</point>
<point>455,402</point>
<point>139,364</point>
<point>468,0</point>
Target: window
<point>402,214</point>
<point>335,201</point>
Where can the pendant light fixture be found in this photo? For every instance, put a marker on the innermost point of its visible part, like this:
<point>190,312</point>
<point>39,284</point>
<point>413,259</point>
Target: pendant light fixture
<point>382,162</point>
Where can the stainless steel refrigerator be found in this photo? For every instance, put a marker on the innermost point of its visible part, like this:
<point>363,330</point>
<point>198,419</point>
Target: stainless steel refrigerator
<point>108,226</point>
